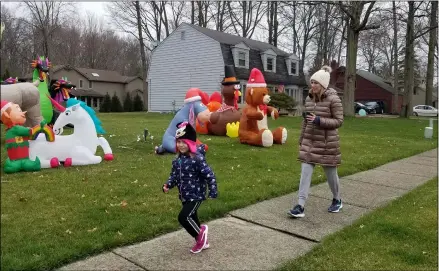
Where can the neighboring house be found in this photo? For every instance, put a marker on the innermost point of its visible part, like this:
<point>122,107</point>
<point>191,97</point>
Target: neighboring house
<point>92,84</point>
<point>194,56</point>
<point>369,87</point>
<point>419,95</point>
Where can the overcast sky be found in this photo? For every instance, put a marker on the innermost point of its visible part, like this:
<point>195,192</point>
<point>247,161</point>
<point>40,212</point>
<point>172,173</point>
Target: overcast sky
<point>94,7</point>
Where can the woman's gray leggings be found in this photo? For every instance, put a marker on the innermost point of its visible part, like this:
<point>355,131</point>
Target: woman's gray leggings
<point>305,181</point>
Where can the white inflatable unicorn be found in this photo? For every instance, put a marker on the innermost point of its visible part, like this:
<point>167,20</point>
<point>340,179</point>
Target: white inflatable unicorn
<point>76,149</point>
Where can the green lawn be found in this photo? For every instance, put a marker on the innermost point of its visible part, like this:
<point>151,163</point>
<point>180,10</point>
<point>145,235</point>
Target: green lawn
<point>399,236</point>
<point>53,217</point>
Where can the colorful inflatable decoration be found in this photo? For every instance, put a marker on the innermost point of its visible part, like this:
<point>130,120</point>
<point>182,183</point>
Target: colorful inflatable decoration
<point>10,81</point>
<point>232,129</point>
<point>214,104</point>
<point>27,97</point>
<point>41,68</point>
<point>60,89</point>
<point>77,149</point>
<point>17,139</point>
<point>228,112</point>
<point>193,108</point>
<point>253,126</point>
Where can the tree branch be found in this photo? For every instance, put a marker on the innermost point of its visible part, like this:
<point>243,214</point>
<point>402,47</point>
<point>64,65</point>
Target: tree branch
<point>424,32</point>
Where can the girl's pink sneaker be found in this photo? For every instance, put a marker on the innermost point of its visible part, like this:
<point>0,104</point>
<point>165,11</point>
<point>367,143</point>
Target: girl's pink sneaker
<point>201,240</point>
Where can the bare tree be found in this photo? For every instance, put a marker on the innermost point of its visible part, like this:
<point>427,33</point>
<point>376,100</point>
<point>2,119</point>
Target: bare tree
<point>221,18</point>
<point>46,17</point>
<point>177,9</point>
<point>395,61</point>
<point>408,63</point>
<point>142,52</point>
<point>357,24</point>
<point>371,47</point>
<point>272,22</point>
<point>245,16</point>
<point>302,18</point>
<point>431,51</point>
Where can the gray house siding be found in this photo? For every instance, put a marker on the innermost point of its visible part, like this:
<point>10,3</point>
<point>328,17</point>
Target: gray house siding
<point>178,64</point>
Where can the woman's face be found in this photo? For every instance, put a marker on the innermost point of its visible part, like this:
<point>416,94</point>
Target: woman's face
<point>182,146</point>
<point>316,87</point>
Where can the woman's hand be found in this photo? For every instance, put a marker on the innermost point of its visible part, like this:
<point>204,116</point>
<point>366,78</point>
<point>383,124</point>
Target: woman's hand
<point>311,117</point>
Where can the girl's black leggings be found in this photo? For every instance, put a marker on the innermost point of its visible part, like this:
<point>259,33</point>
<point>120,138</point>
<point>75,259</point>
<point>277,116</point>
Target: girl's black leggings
<point>188,217</point>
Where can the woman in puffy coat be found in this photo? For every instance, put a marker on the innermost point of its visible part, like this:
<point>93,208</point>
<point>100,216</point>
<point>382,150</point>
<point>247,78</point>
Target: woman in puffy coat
<point>319,139</point>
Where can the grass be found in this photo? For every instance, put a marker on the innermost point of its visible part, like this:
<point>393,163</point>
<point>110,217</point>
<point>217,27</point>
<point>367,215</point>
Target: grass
<point>399,236</point>
<point>53,217</point>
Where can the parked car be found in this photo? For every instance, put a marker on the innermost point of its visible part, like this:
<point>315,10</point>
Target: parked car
<point>425,110</point>
<point>358,106</point>
<point>376,107</point>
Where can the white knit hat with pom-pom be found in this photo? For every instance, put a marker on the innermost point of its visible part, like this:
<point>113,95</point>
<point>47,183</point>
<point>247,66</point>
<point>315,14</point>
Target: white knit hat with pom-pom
<point>322,76</point>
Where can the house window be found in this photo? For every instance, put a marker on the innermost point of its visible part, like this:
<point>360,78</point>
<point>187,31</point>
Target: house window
<point>269,64</point>
<point>95,102</point>
<point>80,83</point>
<point>90,84</point>
<point>241,59</point>
<point>182,35</point>
<point>293,67</point>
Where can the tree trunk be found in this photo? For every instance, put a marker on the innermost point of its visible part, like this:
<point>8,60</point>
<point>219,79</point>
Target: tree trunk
<point>270,13</point>
<point>342,37</point>
<point>192,12</point>
<point>325,31</point>
<point>294,29</point>
<point>395,63</point>
<point>351,72</point>
<point>408,63</point>
<point>244,19</point>
<point>275,25</point>
<point>142,54</point>
<point>200,13</point>
<point>431,49</point>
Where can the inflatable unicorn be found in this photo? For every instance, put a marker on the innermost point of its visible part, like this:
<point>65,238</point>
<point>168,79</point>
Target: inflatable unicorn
<point>192,109</point>
<point>77,149</point>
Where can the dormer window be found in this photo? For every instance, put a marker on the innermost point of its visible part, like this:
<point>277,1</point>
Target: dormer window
<point>293,69</point>
<point>269,60</point>
<point>241,59</point>
<point>269,63</point>
<point>241,55</point>
<point>292,65</point>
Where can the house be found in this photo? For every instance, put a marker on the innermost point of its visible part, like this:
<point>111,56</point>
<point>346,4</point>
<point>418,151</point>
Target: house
<point>419,95</point>
<point>193,56</point>
<point>92,84</point>
<point>368,87</point>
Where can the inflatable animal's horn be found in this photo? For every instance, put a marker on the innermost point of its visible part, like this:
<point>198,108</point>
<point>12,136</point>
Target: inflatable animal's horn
<point>57,105</point>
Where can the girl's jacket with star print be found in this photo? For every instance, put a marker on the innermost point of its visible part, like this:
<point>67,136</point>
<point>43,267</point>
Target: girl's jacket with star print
<point>192,175</point>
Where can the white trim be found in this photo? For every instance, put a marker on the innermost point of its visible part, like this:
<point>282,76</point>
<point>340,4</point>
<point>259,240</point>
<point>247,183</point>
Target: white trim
<point>256,85</point>
<point>192,99</point>
<point>6,106</point>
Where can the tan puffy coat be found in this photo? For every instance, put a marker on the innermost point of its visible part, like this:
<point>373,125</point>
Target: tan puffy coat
<point>319,144</point>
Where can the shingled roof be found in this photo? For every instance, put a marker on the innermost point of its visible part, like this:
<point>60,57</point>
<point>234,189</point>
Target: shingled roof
<point>256,48</point>
<point>98,75</point>
<point>376,80</point>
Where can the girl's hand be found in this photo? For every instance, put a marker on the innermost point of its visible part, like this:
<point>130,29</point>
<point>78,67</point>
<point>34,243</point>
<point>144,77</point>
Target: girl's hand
<point>165,188</point>
<point>310,118</point>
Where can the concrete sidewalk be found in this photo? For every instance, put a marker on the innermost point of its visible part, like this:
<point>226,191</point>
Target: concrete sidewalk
<point>262,236</point>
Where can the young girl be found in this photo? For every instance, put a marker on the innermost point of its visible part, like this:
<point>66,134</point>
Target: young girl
<point>191,174</point>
